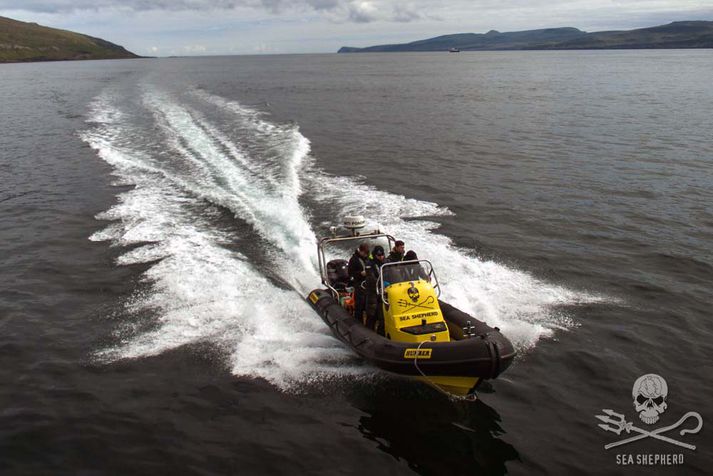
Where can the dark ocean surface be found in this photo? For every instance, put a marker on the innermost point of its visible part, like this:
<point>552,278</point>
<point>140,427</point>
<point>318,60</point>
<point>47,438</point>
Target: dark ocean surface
<point>159,220</point>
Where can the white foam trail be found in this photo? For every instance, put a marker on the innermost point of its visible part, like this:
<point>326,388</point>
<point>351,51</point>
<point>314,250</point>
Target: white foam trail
<point>102,112</point>
<point>199,290</point>
<point>275,213</point>
<point>291,146</point>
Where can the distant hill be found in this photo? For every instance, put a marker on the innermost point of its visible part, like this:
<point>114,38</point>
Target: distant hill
<point>20,41</point>
<point>684,34</point>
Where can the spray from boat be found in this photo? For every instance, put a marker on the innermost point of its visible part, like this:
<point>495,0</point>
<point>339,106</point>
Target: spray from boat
<point>231,285</point>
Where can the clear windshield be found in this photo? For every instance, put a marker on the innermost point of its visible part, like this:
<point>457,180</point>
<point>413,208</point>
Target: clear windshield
<point>406,271</point>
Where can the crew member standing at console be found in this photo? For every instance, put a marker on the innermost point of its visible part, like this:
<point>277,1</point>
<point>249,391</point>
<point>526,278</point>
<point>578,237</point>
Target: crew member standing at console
<point>359,267</point>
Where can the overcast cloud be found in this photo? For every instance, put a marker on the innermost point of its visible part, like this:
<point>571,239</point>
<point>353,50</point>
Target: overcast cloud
<point>174,27</point>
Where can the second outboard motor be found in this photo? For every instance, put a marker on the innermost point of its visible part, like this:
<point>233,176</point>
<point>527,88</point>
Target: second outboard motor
<point>338,274</point>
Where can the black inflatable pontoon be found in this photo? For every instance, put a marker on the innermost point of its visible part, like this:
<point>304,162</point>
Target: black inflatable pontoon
<point>420,335</point>
<point>477,350</point>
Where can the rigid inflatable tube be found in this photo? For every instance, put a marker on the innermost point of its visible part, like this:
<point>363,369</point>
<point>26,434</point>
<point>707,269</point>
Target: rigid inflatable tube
<point>485,356</point>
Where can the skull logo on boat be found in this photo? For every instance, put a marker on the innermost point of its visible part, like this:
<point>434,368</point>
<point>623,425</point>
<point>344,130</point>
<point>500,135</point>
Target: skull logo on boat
<point>413,293</point>
<point>649,393</point>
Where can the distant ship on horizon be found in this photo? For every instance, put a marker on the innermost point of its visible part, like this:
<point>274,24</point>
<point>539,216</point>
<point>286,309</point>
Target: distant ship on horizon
<point>454,50</point>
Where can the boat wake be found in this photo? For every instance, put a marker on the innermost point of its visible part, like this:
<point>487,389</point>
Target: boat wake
<point>216,214</point>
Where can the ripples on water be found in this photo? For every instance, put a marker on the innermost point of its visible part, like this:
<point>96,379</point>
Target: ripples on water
<point>561,196</point>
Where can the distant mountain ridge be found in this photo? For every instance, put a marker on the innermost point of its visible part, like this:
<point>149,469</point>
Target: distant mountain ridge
<point>21,42</point>
<point>683,34</point>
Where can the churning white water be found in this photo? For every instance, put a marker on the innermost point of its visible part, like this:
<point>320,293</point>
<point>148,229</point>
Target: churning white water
<point>187,167</point>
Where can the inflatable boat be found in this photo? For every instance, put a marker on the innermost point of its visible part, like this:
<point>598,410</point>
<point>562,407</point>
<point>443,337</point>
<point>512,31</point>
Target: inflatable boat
<point>419,335</point>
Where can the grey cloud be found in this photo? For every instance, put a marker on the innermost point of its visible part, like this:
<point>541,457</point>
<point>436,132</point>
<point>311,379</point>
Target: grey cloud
<point>404,11</point>
<point>359,14</point>
<point>358,11</point>
<point>354,10</point>
<point>67,6</point>
<point>405,14</point>
<point>324,4</point>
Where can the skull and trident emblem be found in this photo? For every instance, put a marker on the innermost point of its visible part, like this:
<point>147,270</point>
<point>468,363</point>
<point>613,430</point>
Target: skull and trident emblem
<point>649,393</point>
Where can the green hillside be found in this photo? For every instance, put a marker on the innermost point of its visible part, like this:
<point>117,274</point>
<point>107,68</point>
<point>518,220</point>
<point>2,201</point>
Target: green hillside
<point>20,41</point>
<point>683,34</point>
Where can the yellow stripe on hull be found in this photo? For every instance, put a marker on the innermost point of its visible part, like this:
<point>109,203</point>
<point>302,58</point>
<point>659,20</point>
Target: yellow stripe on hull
<point>459,386</point>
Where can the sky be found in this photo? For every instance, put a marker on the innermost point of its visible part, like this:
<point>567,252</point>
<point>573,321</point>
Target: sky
<point>217,27</point>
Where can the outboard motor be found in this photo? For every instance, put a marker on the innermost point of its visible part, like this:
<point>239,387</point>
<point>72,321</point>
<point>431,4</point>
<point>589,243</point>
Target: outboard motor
<point>338,274</point>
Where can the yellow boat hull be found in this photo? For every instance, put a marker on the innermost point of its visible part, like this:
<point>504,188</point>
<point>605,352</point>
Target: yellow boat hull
<point>459,386</point>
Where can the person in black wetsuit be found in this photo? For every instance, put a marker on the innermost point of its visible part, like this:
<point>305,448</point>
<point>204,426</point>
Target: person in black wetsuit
<point>374,311</point>
<point>378,258</point>
<point>359,268</point>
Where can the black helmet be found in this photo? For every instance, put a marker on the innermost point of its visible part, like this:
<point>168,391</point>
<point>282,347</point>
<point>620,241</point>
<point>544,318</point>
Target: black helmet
<point>378,251</point>
<point>410,256</point>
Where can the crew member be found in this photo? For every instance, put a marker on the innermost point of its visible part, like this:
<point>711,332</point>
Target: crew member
<point>397,254</point>
<point>359,267</point>
<point>374,312</point>
<point>378,258</point>
<point>415,271</point>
